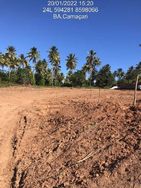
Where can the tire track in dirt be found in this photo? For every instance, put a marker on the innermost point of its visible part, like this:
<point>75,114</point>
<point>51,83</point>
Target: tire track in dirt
<point>11,120</point>
<point>28,117</point>
<point>12,105</point>
<point>6,132</point>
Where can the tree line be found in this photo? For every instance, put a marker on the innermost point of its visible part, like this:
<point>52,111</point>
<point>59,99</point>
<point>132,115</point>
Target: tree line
<point>30,69</point>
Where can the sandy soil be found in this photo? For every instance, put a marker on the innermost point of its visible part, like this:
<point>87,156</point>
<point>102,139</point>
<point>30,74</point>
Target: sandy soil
<point>57,138</point>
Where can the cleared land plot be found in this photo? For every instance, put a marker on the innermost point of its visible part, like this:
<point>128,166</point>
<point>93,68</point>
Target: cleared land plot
<point>68,138</point>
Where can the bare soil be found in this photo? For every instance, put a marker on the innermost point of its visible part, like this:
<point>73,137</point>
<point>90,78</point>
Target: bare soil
<point>68,138</point>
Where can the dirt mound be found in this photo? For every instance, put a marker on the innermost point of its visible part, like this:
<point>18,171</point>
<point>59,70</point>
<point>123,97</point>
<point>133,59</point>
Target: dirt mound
<point>80,144</point>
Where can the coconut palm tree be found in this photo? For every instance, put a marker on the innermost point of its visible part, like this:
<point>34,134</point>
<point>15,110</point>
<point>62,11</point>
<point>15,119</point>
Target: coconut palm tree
<point>10,59</point>
<point>33,55</point>
<point>85,69</point>
<point>119,74</point>
<point>11,51</point>
<point>2,60</point>
<point>71,62</point>
<point>130,74</point>
<point>41,67</point>
<point>91,62</point>
<point>11,54</point>
<point>23,61</point>
<point>54,58</point>
<point>41,72</point>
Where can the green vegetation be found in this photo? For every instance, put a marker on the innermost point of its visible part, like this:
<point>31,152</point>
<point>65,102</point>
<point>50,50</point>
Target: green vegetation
<point>30,69</point>
<point>54,58</point>
<point>105,77</point>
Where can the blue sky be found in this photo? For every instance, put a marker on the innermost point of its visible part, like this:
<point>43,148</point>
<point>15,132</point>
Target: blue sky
<point>114,33</point>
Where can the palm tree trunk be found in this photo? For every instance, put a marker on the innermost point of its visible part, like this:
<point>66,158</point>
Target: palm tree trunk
<point>91,77</point>
<point>52,76</point>
<point>34,81</point>
<point>91,80</point>
<point>9,74</point>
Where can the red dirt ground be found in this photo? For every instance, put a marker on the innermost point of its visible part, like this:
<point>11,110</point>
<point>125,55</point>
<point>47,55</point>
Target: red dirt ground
<point>68,138</point>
